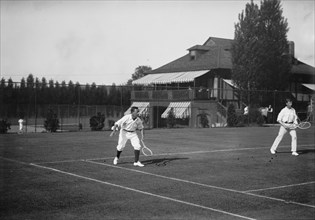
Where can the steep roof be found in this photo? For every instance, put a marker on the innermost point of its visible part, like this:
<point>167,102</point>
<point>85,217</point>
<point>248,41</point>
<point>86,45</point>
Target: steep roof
<point>213,54</point>
<point>302,68</point>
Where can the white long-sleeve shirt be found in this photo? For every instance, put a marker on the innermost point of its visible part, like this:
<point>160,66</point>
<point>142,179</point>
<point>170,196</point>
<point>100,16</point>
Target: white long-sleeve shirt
<point>129,124</point>
<point>287,115</point>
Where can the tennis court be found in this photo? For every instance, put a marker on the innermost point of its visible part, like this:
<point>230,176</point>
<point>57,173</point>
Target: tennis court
<point>222,173</point>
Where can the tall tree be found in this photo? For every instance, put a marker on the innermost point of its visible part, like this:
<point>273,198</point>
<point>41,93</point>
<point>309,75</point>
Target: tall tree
<point>2,89</point>
<point>44,97</point>
<point>71,93</point>
<point>63,93</point>
<point>22,94</point>
<point>140,71</point>
<point>51,93</point>
<point>30,81</point>
<point>260,41</point>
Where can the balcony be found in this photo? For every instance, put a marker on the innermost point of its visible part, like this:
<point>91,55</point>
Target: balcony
<point>172,95</point>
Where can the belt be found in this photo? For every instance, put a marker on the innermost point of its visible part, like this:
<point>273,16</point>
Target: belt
<point>128,131</point>
<point>288,122</point>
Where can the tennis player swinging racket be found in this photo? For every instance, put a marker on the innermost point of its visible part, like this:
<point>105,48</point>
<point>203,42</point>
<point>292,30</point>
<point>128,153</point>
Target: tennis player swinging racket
<point>128,126</point>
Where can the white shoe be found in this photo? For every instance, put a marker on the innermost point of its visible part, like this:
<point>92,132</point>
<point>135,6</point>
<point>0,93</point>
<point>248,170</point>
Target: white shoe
<point>138,164</point>
<point>294,153</point>
<point>272,151</point>
<point>115,161</point>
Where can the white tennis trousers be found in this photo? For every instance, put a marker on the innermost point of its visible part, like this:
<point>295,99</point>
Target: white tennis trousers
<point>282,132</point>
<point>124,136</point>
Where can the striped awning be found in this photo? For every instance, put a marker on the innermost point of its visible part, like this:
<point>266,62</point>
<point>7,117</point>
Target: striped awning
<point>309,86</point>
<point>180,110</point>
<point>142,106</point>
<point>230,82</point>
<point>166,78</point>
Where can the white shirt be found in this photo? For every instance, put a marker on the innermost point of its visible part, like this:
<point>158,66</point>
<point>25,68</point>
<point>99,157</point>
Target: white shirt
<point>287,115</point>
<point>246,110</point>
<point>264,111</point>
<point>127,123</point>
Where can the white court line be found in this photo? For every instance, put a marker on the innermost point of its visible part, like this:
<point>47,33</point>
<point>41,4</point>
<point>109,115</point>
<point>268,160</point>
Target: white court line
<point>287,202</point>
<point>164,154</point>
<point>175,153</point>
<point>181,180</point>
<point>279,187</point>
<point>143,192</point>
<point>15,161</point>
<point>201,184</point>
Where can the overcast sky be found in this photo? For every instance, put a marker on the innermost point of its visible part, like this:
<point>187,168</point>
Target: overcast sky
<point>104,41</point>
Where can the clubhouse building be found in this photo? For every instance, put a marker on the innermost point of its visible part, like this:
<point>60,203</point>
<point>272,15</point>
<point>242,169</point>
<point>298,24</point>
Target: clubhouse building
<point>199,83</point>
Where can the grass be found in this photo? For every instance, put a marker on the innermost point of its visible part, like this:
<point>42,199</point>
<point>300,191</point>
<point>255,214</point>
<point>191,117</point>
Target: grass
<point>222,173</point>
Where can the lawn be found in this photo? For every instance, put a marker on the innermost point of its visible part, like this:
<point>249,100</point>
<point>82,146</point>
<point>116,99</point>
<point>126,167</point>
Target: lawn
<point>216,173</point>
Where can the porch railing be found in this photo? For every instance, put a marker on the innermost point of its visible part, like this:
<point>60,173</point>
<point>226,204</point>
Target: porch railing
<point>181,94</point>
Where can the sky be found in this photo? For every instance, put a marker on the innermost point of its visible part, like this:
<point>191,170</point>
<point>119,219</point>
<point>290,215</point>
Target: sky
<point>104,41</point>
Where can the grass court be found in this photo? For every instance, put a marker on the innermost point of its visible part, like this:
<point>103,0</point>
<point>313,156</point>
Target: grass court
<point>222,173</point>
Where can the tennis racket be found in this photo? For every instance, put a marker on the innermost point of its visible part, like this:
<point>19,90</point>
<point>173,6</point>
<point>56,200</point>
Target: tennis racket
<point>113,131</point>
<point>145,150</point>
<point>302,124</point>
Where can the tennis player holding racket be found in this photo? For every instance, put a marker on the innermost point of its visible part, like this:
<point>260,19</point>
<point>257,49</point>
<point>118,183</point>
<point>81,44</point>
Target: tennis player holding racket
<point>288,120</point>
<point>128,126</point>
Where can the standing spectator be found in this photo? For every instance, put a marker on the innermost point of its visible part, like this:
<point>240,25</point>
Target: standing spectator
<point>309,111</point>
<point>246,111</point>
<point>265,111</point>
<point>20,121</point>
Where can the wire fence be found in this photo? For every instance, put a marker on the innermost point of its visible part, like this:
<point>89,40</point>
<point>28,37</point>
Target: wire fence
<point>74,105</point>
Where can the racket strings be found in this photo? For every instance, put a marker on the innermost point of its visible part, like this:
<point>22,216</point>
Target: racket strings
<point>304,125</point>
<point>145,150</point>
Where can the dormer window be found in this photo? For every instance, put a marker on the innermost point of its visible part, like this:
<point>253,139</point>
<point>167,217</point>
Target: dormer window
<point>193,55</point>
<point>196,51</point>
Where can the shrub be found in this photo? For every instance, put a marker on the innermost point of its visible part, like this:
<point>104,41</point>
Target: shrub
<point>97,122</point>
<point>110,123</point>
<point>204,120</point>
<point>255,116</point>
<point>171,120</point>
<point>4,126</point>
<point>51,123</point>
<point>231,116</point>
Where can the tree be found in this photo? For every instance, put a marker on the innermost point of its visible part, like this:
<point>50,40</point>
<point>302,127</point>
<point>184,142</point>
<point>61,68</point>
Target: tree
<point>260,43</point>
<point>71,93</point>
<point>51,123</point>
<point>44,92</point>
<point>140,71</point>
<point>204,120</point>
<point>171,119</point>
<point>51,91</point>
<point>9,92</point>
<point>23,93</point>
<point>2,83</point>
<point>63,93</point>
<point>30,81</point>
<point>97,122</point>
<point>4,126</point>
<point>2,89</point>
<point>231,116</point>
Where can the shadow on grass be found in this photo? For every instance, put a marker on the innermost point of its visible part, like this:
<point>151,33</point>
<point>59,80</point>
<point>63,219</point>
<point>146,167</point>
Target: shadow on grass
<point>157,162</point>
<point>161,161</point>
<point>306,151</point>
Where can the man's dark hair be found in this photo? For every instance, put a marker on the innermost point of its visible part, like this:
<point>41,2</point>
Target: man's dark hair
<point>288,100</point>
<point>133,109</point>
